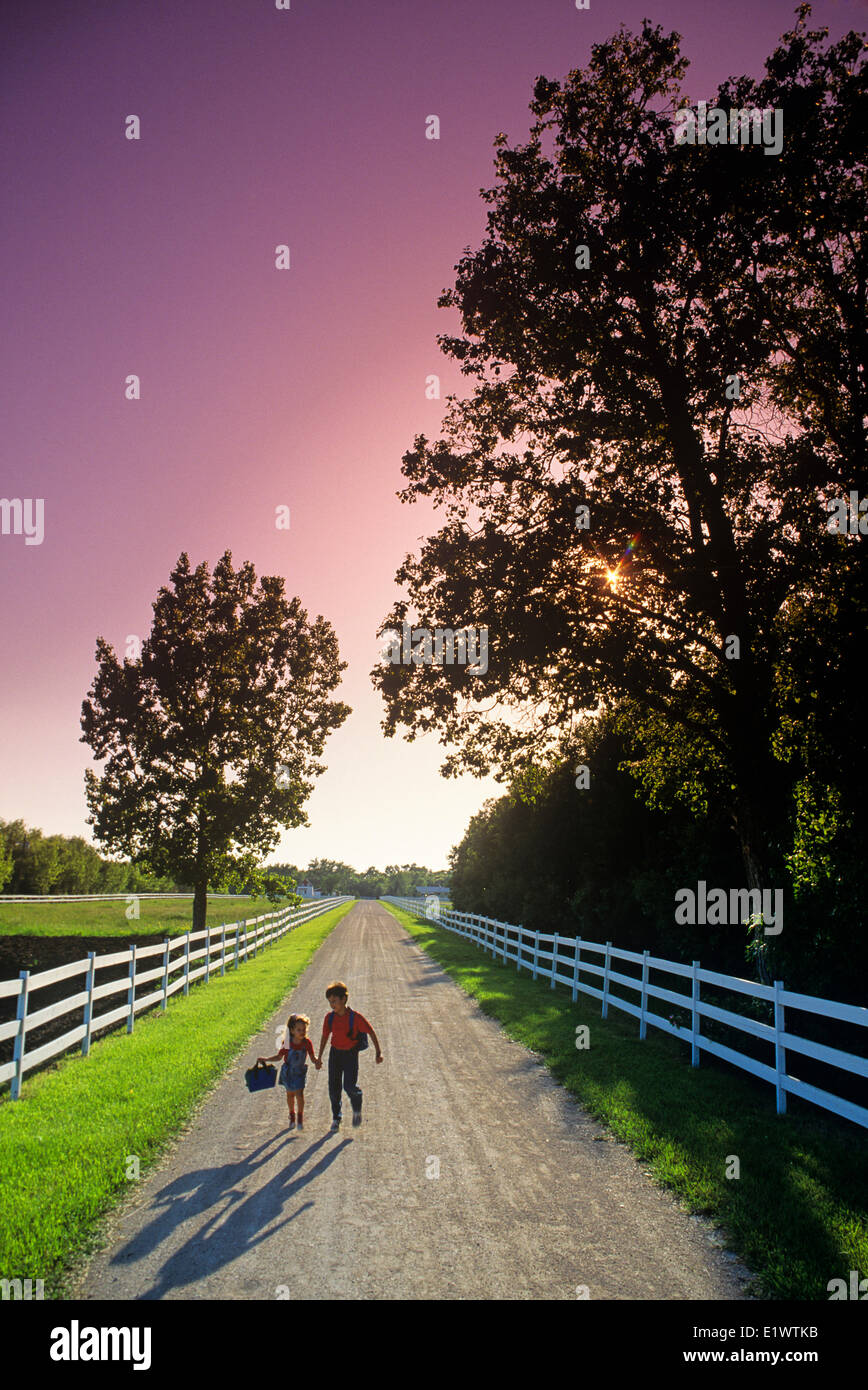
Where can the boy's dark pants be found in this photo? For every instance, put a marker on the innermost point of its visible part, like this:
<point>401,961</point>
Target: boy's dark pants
<point>344,1071</point>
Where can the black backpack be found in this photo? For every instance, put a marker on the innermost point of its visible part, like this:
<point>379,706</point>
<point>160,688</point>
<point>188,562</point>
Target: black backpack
<point>363,1037</point>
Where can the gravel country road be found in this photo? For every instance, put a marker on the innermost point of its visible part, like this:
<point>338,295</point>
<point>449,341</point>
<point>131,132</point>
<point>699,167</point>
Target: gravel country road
<point>532,1201</point>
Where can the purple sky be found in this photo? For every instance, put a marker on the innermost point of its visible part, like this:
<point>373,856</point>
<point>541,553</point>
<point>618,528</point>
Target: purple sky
<point>259,387</point>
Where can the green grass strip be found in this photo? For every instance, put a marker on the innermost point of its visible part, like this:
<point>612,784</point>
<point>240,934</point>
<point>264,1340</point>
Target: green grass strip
<point>65,1144</point>
<point>798,1213</point>
<point>157,916</point>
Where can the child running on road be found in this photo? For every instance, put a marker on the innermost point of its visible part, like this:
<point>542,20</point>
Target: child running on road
<point>344,1052</point>
<point>295,1051</point>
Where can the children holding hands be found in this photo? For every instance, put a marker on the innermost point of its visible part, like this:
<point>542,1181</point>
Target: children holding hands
<point>349,1033</point>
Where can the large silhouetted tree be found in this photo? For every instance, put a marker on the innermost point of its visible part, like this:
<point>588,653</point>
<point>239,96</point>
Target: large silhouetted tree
<point>213,734</point>
<point>645,324</point>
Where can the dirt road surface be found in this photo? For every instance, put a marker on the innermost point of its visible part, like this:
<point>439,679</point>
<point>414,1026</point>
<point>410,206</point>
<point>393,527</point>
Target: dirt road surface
<point>531,1202</point>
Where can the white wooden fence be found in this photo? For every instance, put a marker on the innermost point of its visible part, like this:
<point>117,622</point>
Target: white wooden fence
<point>564,959</point>
<point>223,945</point>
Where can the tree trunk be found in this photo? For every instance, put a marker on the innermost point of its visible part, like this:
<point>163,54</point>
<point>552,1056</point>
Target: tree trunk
<point>200,905</point>
<point>749,839</point>
<point>759,794</point>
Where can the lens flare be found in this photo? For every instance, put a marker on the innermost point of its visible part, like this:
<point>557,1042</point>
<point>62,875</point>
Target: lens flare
<point>613,577</point>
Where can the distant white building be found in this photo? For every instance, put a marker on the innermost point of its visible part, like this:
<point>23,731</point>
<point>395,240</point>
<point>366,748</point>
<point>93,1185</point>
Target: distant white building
<point>307,890</point>
<point>436,890</point>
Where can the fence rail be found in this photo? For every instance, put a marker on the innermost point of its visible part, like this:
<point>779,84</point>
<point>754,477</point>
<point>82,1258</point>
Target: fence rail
<point>565,959</point>
<point>227,944</point>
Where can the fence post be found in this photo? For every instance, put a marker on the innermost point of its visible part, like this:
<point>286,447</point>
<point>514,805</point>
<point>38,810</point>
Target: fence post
<point>606,981</point>
<point>644,1006</point>
<point>236,945</point>
<point>576,966</point>
<point>535,953</point>
<point>694,1016</point>
<point>780,1050</point>
<point>187,965</point>
<point>554,960</point>
<point>504,942</point>
<point>165,973</point>
<point>131,993</point>
<point>207,953</point>
<point>88,1008</point>
<point>222,948</point>
<point>246,943</point>
<point>21,1015</point>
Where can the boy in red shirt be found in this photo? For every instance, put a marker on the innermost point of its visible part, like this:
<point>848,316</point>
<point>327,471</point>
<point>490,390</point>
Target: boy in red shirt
<point>344,1052</point>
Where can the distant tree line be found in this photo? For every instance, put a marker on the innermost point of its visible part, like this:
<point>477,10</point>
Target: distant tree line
<point>31,862</point>
<point>333,878</point>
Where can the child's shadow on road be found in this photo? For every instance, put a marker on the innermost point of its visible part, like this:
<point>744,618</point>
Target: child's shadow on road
<point>210,1245</point>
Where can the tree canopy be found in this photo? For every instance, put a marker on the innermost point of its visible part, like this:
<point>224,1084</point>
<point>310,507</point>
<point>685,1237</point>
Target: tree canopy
<point>669,354</point>
<point>213,735</point>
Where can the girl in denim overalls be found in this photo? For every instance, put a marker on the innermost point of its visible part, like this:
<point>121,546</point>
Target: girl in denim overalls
<point>296,1049</point>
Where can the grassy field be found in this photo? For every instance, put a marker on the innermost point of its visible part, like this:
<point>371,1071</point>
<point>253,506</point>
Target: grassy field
<point>65,1145</point>
<point>797,1214</point>
<point>165,917</point>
